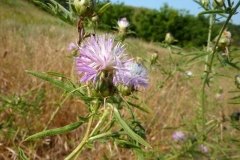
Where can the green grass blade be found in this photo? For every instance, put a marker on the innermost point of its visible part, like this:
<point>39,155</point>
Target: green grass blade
<point>22,155</point>
<point>55,131</point>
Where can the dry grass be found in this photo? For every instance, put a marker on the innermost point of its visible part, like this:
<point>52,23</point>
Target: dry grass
<point>33,40</point>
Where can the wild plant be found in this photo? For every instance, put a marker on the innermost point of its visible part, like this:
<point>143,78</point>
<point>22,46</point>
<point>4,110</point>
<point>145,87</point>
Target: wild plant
<point>110,80</point>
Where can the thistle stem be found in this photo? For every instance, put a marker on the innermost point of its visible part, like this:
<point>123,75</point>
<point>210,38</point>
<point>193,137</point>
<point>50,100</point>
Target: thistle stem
<point>209,70</point>
<point>83,142</point>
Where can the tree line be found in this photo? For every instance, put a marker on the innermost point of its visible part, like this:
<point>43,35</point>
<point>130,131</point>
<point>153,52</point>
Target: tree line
<point>152,24</point>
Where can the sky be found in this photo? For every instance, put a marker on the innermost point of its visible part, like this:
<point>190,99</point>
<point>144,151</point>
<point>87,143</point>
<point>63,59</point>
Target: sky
<point>189,5</point>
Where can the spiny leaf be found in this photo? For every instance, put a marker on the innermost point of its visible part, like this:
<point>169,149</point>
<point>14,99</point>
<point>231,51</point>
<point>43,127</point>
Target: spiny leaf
<point>55,131</point>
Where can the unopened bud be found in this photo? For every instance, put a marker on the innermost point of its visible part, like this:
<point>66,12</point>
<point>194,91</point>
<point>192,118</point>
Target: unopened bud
<point>123,24</point>
<point>95,19</point>
<point>153,58</point>
<point>84,8</point>
<point>125,90</point>
<point>217,5</point>
<point>104,86</point>
<point>205,3</point>
<point>169,39</point>
<point>237,80</point>
<point>224,40</point>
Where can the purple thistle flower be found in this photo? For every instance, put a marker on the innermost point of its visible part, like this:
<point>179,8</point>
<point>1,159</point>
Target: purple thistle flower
<point>133,74</point>
<point>178,136</point>
<point>203,148</point>
<point>72,46</point>
<point>97,54</point>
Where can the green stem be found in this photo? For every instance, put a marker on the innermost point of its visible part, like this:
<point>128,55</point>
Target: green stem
<point>173,62</point>
<point>83,142</point>
<point>209,70</point>
<point>211,18</point>
<point>100,122</point>
<point>55,112</point>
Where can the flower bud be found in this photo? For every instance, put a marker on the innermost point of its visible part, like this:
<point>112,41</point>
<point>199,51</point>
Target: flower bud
<point>104,86</point>
<point>153,58</point>
<point>205,3</point>
<point>84,8</point>
<point>123,24</point>
<point>95,19</point>
<point>237,80</point>
<point>125,90</point>
<point>217,5</point>
<point>169,39</point>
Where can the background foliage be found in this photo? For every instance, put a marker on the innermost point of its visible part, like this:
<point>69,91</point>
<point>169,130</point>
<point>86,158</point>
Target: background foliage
<point>152,25</point>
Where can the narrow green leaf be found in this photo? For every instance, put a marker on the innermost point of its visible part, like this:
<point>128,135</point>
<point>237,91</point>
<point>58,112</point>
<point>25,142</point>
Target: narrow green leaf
<point>196,53</point>
<point>236,97</point>
<point>57,82</point>
<point>234,103</point>
<point>139,107</point>
<point>125,143</point>
<point>55,131</point>
<point>128,130</point>
<point>212,12</point>
<point>233,91</point>
<point>22,155</point>
<point>195,57</point>
<point>44,6</point>
<point>61,7</point>
<point>55,74</point>
<point>223,75</point>
<point>101,10</point>
<point>84,119</point>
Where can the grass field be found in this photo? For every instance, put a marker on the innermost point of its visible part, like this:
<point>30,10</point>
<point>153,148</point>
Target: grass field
<point>31,39</point>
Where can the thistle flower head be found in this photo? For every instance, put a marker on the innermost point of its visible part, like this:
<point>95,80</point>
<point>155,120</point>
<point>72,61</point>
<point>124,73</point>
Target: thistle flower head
<point>123,23</point>
<point>178,136</point>
<point>132,74</point>
<point>98,54</point>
